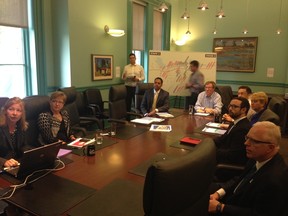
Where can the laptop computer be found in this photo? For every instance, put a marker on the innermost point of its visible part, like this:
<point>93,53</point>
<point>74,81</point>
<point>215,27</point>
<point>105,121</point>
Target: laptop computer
<point>36,159</point>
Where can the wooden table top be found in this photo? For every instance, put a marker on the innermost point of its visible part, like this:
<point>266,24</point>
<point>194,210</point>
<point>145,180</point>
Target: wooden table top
<point>115,161</point>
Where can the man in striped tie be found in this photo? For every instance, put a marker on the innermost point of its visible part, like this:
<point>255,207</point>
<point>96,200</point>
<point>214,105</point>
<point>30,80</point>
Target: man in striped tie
<point>155,100</point>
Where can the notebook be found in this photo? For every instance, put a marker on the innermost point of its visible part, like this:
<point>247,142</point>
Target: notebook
<point>190,141</point>
<point>36,159</point>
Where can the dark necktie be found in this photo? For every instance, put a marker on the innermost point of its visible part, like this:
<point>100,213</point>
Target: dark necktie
<point>247,178</point>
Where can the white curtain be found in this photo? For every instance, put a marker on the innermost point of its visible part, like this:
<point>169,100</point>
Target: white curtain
<point>14,13</point>
<point>138,26</point>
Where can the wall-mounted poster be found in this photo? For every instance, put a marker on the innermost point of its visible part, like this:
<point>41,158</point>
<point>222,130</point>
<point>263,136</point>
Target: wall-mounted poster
<point>236,54</point>
<point>102,67</point>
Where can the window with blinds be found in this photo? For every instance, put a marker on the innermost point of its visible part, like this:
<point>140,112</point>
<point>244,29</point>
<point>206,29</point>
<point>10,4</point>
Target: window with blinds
<point>14,13</point>
<point>138,26</point>
<point>157,30</point>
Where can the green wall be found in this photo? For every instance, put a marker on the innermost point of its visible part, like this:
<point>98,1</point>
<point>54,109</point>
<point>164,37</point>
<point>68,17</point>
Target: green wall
<point>74,31</point>
<point>262,22</point>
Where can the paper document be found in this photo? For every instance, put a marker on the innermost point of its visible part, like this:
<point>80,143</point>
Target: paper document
<point>201,114</point>
<point>161,128</point>
<point>165,115</point>
<point>147,120</point>
<point>213,130</point>
<point>213,124</point>
<point>81,142</point>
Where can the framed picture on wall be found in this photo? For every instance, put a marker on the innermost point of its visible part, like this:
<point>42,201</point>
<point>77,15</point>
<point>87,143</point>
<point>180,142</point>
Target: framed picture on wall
<point>102,67</point>
<point>236,54</point>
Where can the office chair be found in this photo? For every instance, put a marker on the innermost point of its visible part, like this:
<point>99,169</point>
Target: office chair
<point>226,96</point>
<point>34,105</point>
<point>94,99</point>
<point>180,186</point>
<point>117,105</point>
<point>3,100</point>
<point>77,122</point>
<point>279,106</point>
<point>141,88</point>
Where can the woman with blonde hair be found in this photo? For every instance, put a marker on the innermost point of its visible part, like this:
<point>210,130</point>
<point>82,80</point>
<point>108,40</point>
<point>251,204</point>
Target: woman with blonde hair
<point>55,125</point>
<point>12,132</point>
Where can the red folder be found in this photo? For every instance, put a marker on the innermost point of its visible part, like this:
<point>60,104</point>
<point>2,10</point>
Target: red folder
<point>190,141</point>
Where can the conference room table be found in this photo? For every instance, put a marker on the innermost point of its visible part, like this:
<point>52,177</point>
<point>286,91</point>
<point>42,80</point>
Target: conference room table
<point>115,161</point>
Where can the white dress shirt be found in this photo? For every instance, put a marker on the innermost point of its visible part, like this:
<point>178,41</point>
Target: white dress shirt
<point>131,71</point>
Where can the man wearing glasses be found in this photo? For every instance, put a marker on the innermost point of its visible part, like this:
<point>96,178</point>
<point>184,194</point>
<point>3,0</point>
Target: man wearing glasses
<point>230,146</point>
<point>262,188</point>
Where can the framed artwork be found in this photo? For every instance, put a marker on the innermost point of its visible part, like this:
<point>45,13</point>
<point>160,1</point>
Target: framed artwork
<point>236,54</point>
<point>102,67</point>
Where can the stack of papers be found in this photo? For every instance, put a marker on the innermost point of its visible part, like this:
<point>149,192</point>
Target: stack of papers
<point>81,142</point>
<point>165,115</point>
<point>201,114</point>
<point>213,130</point>
<point>147,120</point>
<point>161,128</point>
<point>213,124</point>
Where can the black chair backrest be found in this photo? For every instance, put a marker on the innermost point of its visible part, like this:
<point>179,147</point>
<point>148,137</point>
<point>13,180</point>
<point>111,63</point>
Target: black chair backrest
<point>279,106</point>
<point>70,105</point>
<point>141,88</point>
<point>34,105</point>
<point>81,104</point>
<point>226,95</point>
<point>180,186</point>
<point>117,102</point>
<point>3,100</point>
<point>93,96</point>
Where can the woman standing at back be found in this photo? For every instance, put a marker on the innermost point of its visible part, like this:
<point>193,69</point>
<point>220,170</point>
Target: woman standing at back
<point>12,132</point>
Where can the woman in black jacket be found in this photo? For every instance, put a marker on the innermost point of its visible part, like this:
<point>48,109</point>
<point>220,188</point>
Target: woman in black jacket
<point>12,132</point>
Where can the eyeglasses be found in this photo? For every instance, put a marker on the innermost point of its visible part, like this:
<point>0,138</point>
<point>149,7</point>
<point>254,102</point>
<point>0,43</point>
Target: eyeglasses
<point>256,142</point>
<point>233,106</point>
<point>57,101</point>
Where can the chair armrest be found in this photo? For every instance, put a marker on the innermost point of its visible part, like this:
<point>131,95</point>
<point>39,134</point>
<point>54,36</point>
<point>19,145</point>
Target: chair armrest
<point>118,121</point>
<point>135,114</point>
<point>229,167</point>
<point>81,129</point>
<point>92,110</point>
<point>96,120</point>
<point>96,108</point>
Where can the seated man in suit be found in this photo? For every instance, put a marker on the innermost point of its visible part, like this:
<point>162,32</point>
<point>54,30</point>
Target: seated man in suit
<point>230,146</point>
<point>209,101</point>
<point>245,92</point>
<point>262,188</point>
<point>155,100</point>
<point>259,101</point>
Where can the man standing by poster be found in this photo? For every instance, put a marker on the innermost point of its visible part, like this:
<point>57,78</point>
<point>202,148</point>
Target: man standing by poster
<point>195,84</point>
<point>132,75</point>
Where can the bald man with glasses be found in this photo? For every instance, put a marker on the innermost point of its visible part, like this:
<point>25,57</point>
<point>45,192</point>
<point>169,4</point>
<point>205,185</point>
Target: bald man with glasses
<point>263,187</point>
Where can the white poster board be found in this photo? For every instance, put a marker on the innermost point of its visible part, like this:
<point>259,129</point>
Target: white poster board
<point>173,68</point>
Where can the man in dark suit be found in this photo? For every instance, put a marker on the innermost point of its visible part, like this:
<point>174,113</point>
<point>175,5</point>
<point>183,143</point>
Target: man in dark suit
<point>230,146</point>
<point>155,100</point>
<point>262,188</point>
<point>259,101</point>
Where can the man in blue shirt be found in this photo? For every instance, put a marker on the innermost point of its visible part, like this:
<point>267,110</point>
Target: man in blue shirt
<point>209,101</point>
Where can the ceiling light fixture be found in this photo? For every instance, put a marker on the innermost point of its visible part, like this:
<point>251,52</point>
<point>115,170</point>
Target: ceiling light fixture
<point>163,7</point>
<point>185,14</point>
<point>221,14</point>
<point>203,6</point>
<point>215,27</point>
<point>279,31</point>
<point>245,31</point>
<point>114,32</point>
